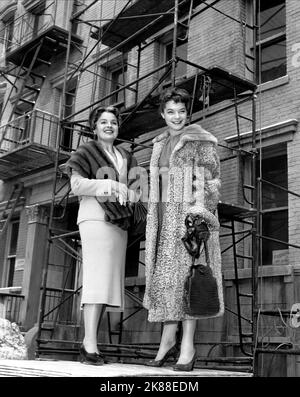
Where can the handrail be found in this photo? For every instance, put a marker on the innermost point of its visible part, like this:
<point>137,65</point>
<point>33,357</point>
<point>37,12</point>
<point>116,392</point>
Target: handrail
<point>35,126</point>
<point>27,115</point>
<point>24,29</point>
<point>11,304</point>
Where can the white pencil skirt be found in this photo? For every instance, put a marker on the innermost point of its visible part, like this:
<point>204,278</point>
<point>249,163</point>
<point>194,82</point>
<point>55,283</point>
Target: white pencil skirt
<point>103,263</point>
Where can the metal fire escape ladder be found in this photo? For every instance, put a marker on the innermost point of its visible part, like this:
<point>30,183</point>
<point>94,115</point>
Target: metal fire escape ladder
<point>245,337</point>
<point>25,76</point>
<point>25,85</point>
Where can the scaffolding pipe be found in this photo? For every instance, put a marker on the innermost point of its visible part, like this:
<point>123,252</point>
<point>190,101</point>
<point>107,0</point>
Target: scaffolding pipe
<point>223,13</point>
<point>49,225</point>
<point>92,49</point>
<point>113,49</point>
<point>79,13</point>
<point>118,90</point>
<point>174,49</point>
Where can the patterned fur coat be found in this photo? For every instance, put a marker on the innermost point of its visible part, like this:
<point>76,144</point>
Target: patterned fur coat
<point>193,187</point>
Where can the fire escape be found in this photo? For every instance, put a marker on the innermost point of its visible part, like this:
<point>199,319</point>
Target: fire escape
<point>29,136</point>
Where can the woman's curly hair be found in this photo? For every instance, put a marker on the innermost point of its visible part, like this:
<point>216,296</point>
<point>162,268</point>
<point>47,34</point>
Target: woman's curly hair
<point>96,113</point>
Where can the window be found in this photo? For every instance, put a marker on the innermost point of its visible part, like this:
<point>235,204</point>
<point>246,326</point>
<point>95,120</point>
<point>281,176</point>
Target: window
<point>166,42</point>
<point>113,76</point>
<point>118,80</point>
<point>271,47</point>
<point>274,202</point>
<point>12,252</point>
<point>181,52</point>
<point>76,7</point>
<point>67,130</point>
<point>9,32</point>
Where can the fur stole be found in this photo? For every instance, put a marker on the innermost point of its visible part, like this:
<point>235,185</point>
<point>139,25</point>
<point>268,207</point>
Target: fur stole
<point>87,160</point>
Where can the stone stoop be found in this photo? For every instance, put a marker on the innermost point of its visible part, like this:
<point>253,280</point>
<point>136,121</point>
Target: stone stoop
<point>59,368</point>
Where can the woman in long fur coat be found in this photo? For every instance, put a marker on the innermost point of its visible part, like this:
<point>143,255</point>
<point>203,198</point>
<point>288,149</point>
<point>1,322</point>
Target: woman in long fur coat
<point>184,179</point>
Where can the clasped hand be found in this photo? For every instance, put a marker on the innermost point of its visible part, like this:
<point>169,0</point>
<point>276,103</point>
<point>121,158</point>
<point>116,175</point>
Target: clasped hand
<point>121,191</point>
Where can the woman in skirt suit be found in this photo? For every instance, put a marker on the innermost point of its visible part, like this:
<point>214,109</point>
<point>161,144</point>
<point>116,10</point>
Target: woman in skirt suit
<point>100,177</point>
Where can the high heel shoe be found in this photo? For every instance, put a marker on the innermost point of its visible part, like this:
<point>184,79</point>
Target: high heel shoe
<point>173,352</point>
<point>186,367</point>
<point>90,358</point>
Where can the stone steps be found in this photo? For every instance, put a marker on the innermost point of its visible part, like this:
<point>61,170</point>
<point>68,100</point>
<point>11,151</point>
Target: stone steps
<point>59,368</point>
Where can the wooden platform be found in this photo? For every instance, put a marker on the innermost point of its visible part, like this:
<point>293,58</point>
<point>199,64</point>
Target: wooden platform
<point>28,158</point>
<point>139,21</point>
<point>59,368</point>
<point>55,37</point>
<point>147,118</point>
<point>231,212</point>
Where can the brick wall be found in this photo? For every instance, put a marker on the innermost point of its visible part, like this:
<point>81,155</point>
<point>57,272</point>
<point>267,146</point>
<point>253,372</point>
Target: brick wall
<point>215,39</point>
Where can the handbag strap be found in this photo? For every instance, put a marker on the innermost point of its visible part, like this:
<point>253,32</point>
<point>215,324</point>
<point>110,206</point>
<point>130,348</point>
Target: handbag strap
<point>206,255</point>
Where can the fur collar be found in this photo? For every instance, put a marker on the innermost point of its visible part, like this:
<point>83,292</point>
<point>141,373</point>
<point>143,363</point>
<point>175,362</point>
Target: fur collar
<point>192,132</point>
<point>195,132</point>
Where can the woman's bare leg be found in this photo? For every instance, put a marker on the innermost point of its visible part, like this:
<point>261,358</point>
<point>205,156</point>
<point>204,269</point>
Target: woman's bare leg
<point>92,314</point>
<point>187,349</point>
<point>168,339</point>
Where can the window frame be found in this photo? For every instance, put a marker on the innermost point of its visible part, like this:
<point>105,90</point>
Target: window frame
<point>8,272</point>
<point>114,99</point>
<point>9,24</point>
<point>262,44</point>
<point>165,40</point>
<point>270,153</point>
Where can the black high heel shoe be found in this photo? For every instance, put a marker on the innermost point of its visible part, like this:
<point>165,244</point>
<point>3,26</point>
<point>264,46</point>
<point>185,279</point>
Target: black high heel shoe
<point>173,352</point>
<point>186,367</point>
<point>90,358</point>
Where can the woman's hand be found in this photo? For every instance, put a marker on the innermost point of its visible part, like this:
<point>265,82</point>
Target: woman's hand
<point>133,196</point>
<point>120,190</point>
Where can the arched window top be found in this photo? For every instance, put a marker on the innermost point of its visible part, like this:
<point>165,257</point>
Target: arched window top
<point>34,6</point>
<point>8,12</point>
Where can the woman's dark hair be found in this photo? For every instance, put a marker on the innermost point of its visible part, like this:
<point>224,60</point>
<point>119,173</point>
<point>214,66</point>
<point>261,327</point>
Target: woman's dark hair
<point>96,113</point>
<point>178,95</point>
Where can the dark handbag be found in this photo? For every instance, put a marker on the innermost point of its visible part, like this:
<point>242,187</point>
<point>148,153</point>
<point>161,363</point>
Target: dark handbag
<point>138,221</point>
<point>200,296</point>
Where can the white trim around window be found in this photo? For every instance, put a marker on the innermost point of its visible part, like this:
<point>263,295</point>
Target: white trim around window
<point>272,134</point>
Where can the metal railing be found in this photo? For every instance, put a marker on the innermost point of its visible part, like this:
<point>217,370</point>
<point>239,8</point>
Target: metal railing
<point>36,126</point>
<point>10,306</point>
<point>27,27</point>
<point>60,306</point>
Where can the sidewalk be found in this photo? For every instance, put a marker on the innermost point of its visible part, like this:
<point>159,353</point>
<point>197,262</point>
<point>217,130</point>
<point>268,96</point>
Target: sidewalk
<point>58,368</point>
